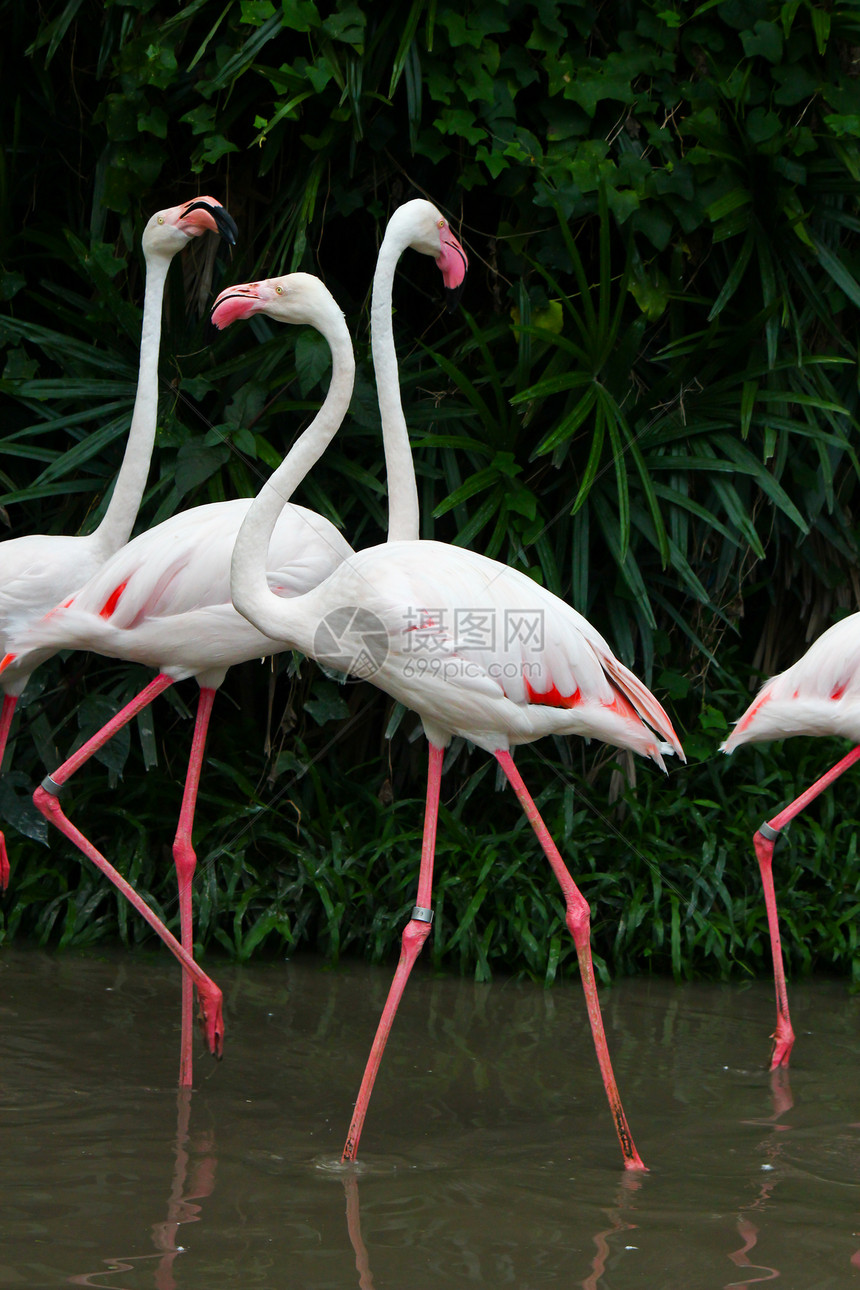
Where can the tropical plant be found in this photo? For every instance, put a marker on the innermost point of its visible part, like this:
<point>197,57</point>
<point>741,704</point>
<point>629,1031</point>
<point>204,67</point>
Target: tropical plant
<point>649,403</point>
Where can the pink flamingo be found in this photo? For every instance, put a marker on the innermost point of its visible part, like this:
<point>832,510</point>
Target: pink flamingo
<point>815,696</point>
<point>164,600</point>
<point>40,569</point>
<point>476,649</point>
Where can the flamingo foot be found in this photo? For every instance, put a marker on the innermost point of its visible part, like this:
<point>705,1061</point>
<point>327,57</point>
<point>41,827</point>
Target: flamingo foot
<point>634,1161</point>
<point>5,870</point>
<point>211,1017</point>
<point>783,1042</point>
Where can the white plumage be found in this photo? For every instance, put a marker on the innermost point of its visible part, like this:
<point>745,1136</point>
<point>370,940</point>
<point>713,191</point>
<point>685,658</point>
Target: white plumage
<point>164,599</point>
<point>817,695</point>
<point>481,650</point>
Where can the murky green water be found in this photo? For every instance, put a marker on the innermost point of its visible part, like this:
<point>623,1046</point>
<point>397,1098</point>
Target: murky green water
<point>489,1158</point>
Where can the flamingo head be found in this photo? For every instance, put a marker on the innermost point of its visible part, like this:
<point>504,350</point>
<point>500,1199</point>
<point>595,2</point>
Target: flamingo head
<point>168,231</point>
<point>295,298</point>
<point>420,225</point>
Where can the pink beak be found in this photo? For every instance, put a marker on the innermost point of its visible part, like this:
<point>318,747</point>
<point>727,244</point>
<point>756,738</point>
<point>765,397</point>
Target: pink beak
<point>235,302</point>
<point>453,262</point>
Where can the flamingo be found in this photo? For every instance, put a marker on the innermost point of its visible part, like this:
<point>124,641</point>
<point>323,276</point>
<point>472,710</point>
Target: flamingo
<point>477,649</point>
<point>164,600</point>
<point>40,569</point>
<point>817,695</point>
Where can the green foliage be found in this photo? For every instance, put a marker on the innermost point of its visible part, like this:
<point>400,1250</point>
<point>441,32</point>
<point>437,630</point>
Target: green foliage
<point>648,403</point>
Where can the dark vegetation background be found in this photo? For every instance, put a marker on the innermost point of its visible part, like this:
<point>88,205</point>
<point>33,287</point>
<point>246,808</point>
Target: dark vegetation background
<point>648,402</point>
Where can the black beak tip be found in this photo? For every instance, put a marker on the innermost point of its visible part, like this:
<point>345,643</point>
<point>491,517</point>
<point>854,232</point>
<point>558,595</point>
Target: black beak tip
<point>452,296</point>
<point>226,225</point>
<point>224,221</point>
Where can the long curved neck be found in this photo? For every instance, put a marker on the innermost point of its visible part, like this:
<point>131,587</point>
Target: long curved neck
<point>118,521</point>
<point>272,614</point>
<point>403,514</point>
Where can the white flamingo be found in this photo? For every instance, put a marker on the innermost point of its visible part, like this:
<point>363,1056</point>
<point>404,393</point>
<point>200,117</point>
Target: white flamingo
<point>41,569</point>
<point>164,600</point>
<point>476,649</point>
<point>817,695</point>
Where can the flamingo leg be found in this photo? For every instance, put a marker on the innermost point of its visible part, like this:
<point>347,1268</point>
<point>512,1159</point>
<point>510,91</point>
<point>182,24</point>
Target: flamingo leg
<point>9,702</point>
<point>185,860</point>
<point>415,933</point>
<point>579,924</point>
<point>763,840</point>
<point>207,991</point>
<point>45,798</point>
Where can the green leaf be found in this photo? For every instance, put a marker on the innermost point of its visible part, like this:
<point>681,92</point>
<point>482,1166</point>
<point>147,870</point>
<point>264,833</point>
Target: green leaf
<point>326,703</point>
<point>764,39</point>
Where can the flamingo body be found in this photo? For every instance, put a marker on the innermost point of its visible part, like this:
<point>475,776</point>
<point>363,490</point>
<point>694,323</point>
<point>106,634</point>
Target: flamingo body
<point>38,570</point>
<point>480,650</point>
<point>164,599</point>
<point>817,695</point>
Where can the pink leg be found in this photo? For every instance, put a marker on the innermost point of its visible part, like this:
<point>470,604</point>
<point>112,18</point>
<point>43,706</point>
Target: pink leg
<point>763,840</point>
<point>415,934</point>
<point>185,860</point>
<point>46,800</point>
<point>579,924</point>
<point>9,702</point>
<point>207,990</point>
<point>109,729</point>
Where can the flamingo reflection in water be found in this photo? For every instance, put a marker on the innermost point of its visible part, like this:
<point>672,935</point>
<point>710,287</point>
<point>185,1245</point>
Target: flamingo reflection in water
<point>782,1102</point>
<point>353,1227</point>
<point>629,1184</point>
<point>627,1188</point>
<point>194,1163</point>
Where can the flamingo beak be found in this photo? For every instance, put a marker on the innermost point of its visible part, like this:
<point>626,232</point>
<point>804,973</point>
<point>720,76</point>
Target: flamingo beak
<point>222,221</point>
<point>234,303</point>
<point>454,264</point>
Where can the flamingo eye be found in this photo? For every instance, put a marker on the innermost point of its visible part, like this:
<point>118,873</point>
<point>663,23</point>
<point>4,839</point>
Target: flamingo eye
<point>279,291</point>
<point>442,223</point>
<point>161,219</point>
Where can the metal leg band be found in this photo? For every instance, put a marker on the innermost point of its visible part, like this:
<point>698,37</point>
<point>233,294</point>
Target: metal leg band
<point>422,915</point>
<point>51,786</point>
<point>768,832</point>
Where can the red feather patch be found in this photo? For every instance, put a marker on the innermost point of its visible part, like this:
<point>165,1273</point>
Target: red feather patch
<point>113,600</point>
<point>759,703</point>
<point>552,698</point>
